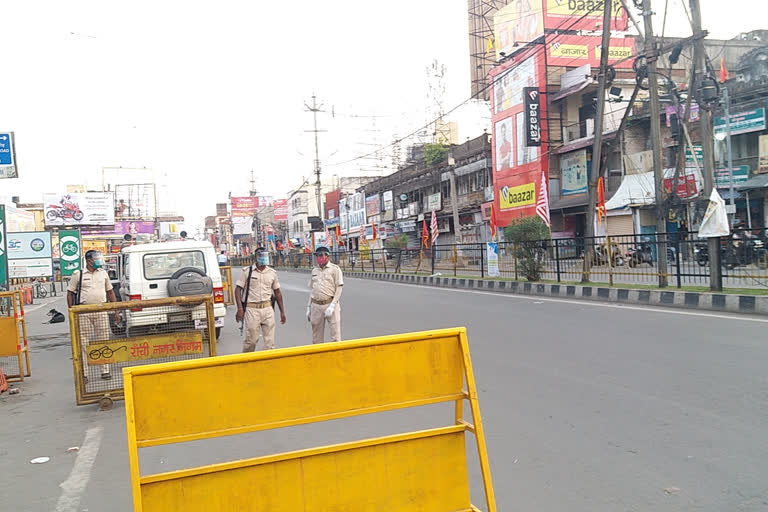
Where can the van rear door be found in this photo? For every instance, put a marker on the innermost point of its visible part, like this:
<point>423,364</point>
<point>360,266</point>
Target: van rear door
<point>158,267</point>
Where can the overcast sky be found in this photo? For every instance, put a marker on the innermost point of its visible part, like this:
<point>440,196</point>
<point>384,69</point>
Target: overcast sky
<point>203,92</point>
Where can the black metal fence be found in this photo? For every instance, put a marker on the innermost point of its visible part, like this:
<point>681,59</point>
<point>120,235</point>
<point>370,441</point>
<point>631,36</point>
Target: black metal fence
<point>616,260</point>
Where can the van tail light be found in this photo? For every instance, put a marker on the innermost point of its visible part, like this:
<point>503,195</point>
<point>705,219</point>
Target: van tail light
<point>135,297</point>
<point>218,295</point>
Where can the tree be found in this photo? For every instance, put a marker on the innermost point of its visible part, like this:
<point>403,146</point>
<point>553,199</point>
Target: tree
<point>531,237</point>
<point>434,153</point>
<point>397,242</point>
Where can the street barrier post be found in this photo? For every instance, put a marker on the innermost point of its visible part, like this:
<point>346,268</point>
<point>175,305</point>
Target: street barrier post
<point>14,348</point>
<point>169,329</point>
<point>420,470</point>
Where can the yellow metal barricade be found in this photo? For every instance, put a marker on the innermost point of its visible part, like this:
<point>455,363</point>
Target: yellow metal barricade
<point>109,337</point>
<point>228,284</point>
<point>14,349</point>
<point>424,470</point>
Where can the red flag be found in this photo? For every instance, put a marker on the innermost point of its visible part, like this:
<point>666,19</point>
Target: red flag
<point>723,71</point>
<point>424,234</point>
<point>290,244</point>
<point>542,203</point>
<point>373,226</point>
<point>601,212</point>
<point>493,221</point>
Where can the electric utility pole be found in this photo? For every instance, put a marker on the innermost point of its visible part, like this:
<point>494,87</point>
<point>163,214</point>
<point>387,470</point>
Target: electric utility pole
<point>707,142</point>
<point>597,148</point>
<point>651,54</point>
<point>315,108</point>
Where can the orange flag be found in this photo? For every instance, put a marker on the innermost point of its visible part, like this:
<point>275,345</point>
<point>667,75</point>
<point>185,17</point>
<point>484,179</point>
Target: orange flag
<point>425,235</point>
<point>338,235</point>
<point>493,222</point>
<point>723,71</point>
<point>601,212</point>
<point>373,226</point>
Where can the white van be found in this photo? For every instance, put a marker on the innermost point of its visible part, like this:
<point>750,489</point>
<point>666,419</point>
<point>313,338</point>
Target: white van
<point>167,269</point>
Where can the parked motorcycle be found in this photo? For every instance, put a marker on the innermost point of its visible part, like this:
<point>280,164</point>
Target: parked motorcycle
<point>741,249</point>
<point>68,211</point>
<point>640,254</point>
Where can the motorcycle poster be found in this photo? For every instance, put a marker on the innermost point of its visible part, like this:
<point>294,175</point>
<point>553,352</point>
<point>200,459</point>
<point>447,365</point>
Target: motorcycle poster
<point>79,209</point>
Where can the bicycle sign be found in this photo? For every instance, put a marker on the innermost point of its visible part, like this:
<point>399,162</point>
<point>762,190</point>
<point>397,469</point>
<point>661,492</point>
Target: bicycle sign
<point>69,241</point>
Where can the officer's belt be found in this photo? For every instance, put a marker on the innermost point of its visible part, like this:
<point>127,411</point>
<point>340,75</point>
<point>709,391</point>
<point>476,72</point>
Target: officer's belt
<point>322,302</point>
<point>260,305</point>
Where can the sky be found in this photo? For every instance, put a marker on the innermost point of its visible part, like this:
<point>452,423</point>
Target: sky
<point>202,93</point>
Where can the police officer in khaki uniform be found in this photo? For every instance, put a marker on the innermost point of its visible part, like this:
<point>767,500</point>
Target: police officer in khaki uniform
<point>325,284</point>
<point>258,313</point>
<point>94,287</point>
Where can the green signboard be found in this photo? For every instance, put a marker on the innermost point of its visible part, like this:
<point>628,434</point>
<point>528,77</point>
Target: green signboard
<point>743,122</point>
<point>689,156</point>
<point>723,178</point>
<point>69,247</point>
<point>3,252</point>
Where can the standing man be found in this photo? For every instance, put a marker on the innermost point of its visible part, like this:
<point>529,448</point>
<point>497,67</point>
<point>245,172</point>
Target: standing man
<point>260,282</point>
<point>92,286</point>
<point>325,284</point>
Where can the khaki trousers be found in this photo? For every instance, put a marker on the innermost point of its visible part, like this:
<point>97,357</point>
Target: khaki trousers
<point>94,327</point>
<point>259,321</point>
<point>318,320</point>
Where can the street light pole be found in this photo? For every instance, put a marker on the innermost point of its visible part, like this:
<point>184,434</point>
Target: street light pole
<point>727,99</point>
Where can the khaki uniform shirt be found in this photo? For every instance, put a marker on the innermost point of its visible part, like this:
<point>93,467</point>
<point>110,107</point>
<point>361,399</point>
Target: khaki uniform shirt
<point>96,284</point>
<point>262,283</point>
<point>324,281</point>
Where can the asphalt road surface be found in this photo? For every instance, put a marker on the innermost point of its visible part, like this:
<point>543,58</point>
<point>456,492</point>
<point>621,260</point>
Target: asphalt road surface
<point>587,406</point>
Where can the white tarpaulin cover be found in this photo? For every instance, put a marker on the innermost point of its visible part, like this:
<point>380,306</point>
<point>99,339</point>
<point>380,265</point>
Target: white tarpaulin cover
<point>635,190</point>
<point>715,222</point>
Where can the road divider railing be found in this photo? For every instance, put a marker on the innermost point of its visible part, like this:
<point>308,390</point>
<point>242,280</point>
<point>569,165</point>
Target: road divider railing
<point>418,470</point>
<point>14,348</point>
<point>108,337</point>
<point>228,285</point>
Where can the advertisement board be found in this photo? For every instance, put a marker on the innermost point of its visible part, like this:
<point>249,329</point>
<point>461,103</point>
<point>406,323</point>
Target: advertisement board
<point>492,253</point>
<point>281,209</point>
<point>573,173</point>
<point>388,201</point>
<point>372,205</point>
<point>532,113</point>
<point>763,153</point>
<point>517,165</point>
<point>242,225</point>
<point>91,208</point>
<point>688,186</point>
<point>31,267</point>
<point>520,22</point>
<point>244,206</point>
<point>508,85</point>
<point>69,243</point>
<point>581,15</point>
<point>723,176</point>
<point>434,202</point>
<point>123,227</point>
<point>575,50</point>
<point>35,244</point>
<point>135,201</point>
<point>743,122</point>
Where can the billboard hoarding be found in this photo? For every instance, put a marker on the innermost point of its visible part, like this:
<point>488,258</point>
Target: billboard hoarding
<point>281,209</point>
<point>434,202</point>
<point>29,245</point>
<point>244,206</point>
<point>91,208</point>
<point>69,244</point>
<point>242,225</point>
<point>573,172</point>
<point>135,201</point>
<point>582,15</point>
<point>516,24</point>
<point>575,50</point>
<point>131,227</point>
<point>508,85</point>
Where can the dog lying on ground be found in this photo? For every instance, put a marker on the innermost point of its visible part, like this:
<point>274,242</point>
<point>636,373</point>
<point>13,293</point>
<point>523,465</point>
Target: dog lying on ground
<point>56,317</point>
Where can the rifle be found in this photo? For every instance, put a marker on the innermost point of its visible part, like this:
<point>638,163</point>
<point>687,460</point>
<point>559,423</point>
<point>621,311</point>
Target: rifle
<point>245,299</point>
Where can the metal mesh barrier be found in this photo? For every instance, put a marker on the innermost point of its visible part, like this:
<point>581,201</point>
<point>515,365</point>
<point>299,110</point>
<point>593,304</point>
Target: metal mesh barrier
<point>14,351</point>
<point>108,337</point>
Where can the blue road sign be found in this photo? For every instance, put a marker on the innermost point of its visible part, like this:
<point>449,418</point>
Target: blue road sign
<point>6,149</point>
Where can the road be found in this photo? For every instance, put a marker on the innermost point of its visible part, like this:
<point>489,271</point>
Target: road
<point>587,406</point>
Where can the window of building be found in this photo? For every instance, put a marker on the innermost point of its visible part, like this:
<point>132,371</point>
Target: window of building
<point>445,189</point>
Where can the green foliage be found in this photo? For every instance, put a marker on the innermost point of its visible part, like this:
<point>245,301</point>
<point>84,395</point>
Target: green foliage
<point>530,236</point>
<point>397,242</point>
<point>434,153</point>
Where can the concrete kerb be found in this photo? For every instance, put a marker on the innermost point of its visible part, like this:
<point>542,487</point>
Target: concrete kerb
<point>731,303</point>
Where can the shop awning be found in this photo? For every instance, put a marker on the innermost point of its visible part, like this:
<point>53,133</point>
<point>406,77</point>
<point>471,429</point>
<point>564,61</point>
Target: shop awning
<point>561,203</point>
<point>584,142</point>
<point>755,182</point>
<point>635,190</point>
<point>726,194</point>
